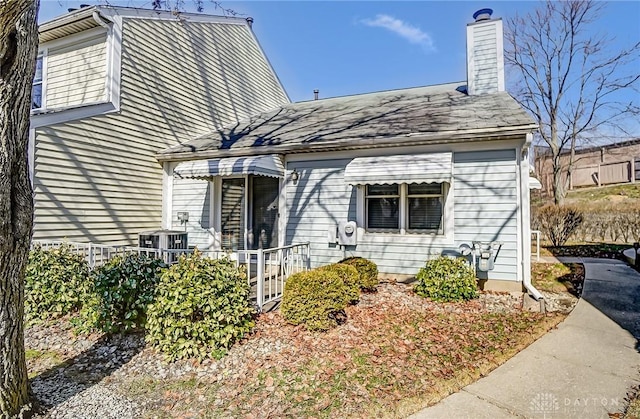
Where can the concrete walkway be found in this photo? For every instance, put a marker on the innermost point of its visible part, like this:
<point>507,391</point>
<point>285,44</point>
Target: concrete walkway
<point>583,369</point>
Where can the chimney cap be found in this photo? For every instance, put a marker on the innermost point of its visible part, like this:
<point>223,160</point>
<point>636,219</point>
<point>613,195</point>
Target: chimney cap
<point>483,14</point>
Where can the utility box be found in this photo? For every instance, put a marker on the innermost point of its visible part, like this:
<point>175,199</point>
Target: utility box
<point>165,240</point>
<point>347,233</point>
<point>332,234</point>
<point>486,253</point>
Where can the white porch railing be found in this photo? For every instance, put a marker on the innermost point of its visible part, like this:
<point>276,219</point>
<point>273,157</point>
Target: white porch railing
<point>537,253</point>
<point>98,254</point>
<point>267,269</point>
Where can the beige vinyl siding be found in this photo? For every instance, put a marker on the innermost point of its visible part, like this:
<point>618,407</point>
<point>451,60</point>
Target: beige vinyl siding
<point>215,70</point>
<point>77,74</point>
<point>97,179</point>
<point>485,203</point>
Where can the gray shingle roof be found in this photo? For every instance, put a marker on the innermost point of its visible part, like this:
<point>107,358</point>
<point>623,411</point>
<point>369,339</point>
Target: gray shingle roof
<point>378,119</point>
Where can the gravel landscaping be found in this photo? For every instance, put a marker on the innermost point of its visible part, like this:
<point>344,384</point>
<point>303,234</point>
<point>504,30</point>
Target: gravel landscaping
<point>90,376</point>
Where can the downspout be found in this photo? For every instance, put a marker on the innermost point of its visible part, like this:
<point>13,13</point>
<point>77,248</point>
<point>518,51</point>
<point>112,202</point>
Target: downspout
<point>534,292</point>
<point>99,20</point>
<point>526,220</point>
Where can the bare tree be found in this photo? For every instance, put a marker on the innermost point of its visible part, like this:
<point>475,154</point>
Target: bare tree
<point>180,5</point>
<point>570,79</point>
<point>18,49</point>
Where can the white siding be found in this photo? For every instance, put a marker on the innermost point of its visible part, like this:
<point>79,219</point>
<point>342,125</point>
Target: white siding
<point>76,74</point>
<point>97,179</point>
<point>485,57</point>
<point>485,203</point>
<point>194,196</point>
<point>319,201</point>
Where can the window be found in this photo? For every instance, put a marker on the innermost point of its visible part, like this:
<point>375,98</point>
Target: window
<point>383,206</point>
<point>425,203</point>
<point>412,208</point>
<point>36,89</point>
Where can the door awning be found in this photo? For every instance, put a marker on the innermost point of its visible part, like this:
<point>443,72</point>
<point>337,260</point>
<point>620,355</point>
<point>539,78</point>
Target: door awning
<point>269,165</point>
<point>415,168</point>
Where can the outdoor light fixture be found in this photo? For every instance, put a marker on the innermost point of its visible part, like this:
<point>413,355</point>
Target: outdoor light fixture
<point>183,217</point>
<point>295,176</point>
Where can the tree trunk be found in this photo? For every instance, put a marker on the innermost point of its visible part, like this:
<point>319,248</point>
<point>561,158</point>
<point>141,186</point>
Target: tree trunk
<point>558,185</point>
<point>18,49</point>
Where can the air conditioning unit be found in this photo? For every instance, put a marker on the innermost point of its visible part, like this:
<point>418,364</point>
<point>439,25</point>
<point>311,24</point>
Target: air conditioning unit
<point>165,240</point>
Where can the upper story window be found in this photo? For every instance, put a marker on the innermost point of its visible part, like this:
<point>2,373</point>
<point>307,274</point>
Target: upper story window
<point>37,89</point>
<point>72,73</point>
<point>414,208</point>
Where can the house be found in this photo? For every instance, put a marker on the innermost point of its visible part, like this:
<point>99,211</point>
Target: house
<point>114,86</point>
<point>396,176</point>
<point>592,166</point>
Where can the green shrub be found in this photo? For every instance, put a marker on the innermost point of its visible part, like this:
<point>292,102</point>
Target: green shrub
<point>55,282</point>
<point>351,278</point>
<point>557,222</point>
<point>201,308</point>
<point>368,272</point>
<point>121,291</point>
<point>315,298</point>
<point>447,279</point>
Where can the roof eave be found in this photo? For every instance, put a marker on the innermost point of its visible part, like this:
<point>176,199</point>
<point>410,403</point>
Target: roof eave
<point>76,16</point>
<point>412,139</point>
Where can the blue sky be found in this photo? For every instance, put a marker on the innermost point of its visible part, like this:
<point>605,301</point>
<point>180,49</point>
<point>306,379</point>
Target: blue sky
<point>348,47</point>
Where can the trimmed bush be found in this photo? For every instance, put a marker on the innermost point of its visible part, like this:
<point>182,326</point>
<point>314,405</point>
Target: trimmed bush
<point>316,298</point>
<point>201,308</point>
<point>121,291</point>
<point>609,222</point>
<point>351,278</point>
<point>368,272</point>
<point>55,283</point>
<point>557,222</point>
<point>445,279</point>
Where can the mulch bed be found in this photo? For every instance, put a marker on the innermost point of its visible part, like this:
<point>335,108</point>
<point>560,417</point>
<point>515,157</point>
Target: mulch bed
<point>396,353</point>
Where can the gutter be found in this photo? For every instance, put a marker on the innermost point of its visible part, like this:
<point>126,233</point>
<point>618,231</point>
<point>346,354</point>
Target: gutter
<point>99,20</point>
<point>534,292</point>
<point>410,139</point>
<point>67,19</point>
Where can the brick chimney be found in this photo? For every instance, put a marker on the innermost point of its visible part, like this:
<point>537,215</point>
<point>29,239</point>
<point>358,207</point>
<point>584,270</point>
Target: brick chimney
<point>485,54</point>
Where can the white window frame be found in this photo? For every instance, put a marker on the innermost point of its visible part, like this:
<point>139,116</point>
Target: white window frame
<point>42,55</point>
<point>392,196</point>
<point>44,116</point>
<point>443,237</point>
<point>406,214</point>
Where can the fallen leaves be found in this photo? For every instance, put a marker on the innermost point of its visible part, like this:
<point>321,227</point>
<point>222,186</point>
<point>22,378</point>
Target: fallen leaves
<point>395,347</point>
